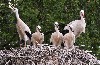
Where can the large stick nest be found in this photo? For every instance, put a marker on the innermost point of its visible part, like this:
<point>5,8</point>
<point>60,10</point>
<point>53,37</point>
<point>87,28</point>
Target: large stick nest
<point>46,55</point>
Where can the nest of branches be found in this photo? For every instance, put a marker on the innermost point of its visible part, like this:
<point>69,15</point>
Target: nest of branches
<point>46,55</point>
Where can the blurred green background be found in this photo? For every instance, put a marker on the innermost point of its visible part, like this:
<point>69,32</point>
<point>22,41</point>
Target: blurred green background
<point>45,13</point>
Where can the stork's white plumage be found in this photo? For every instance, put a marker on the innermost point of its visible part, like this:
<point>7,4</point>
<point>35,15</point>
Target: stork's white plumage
<point>69,39</point>
<point>37,37</point>
<point>77,26</point>
<point>56,37</point>
<point>22,35</point>
<point>23,26</point>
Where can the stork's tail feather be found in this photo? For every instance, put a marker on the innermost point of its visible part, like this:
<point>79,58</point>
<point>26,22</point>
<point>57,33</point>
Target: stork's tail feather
<point>28,34</point>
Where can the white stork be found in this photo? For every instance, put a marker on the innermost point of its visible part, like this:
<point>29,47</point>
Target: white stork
<point>56,37</point>
<point>69,39</point>
<point>37,37</point>
<point>77,26</point>
<point>23,26</point>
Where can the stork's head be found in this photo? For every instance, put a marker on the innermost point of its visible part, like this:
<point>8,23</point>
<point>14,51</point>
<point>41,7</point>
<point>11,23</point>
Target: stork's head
<point>82,13</point>
<point>13,8</point>
<point>38,28</point>
<point>56,24</point>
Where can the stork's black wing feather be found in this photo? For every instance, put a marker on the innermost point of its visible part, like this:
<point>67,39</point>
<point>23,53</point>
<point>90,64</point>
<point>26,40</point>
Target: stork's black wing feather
<point>64,31</point>
<point>28,34</point>
<point>61,28</point>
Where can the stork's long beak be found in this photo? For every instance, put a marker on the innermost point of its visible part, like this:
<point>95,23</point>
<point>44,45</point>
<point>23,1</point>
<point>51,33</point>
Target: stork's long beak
<point>10,6</point>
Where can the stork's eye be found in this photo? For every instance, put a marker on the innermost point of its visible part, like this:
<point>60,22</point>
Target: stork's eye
<point>55,25</point>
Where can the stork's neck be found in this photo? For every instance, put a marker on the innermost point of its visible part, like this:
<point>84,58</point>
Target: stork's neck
<point>57,32</point>
<point>56,29</point>
<point>70,31</point>
<point>37,31</point>
<point>17,15</point>
<point>82,18</point>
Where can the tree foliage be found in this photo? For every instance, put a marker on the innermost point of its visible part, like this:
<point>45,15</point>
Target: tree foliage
<point>45,13</point>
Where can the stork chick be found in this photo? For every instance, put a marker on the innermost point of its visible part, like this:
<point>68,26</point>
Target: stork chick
<point>69,39</point>
<point>23,26</point>
<point>56,37</point>
<point>37,37</point>
<point>77,26</point>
